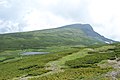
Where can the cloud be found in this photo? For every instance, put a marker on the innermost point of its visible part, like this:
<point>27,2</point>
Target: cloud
<point>11,15</point>
<point>50,14</point>
<point>41,14</point>
<point>43,20</point>
<point>106,14</point>
<point>4,3</point>
<point>10,26</point>
<point>27,15</point>
<point>76,10</point>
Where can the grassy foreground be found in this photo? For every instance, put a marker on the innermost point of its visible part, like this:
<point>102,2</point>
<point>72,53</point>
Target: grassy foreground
<point>62,63</point>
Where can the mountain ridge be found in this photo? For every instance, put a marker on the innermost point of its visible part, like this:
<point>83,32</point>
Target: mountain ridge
<point>87,28</point>
<point>74,34</point>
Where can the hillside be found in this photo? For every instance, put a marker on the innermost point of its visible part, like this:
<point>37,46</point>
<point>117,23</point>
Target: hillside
<point>62,58</point>
<point>75,34</point>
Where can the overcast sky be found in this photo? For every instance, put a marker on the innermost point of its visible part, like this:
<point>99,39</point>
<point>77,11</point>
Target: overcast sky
<point>27,15</point>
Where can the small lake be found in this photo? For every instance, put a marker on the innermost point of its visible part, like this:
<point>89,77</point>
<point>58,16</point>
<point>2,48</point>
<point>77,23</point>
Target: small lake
<point>34,53</point>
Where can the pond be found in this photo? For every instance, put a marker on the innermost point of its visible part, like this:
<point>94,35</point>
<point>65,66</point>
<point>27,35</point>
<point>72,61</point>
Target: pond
<point>34,53</point>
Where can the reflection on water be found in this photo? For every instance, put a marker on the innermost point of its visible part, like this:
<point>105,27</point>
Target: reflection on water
<point>34,53</point>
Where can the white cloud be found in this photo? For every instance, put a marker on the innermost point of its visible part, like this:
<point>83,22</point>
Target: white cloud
<point>27,15</point>
<point>4,3</point>
<point>43,20</point>
<point>106,13</point>
<point>7,26</point>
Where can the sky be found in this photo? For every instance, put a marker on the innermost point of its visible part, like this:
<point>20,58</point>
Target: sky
<point>28,15</point>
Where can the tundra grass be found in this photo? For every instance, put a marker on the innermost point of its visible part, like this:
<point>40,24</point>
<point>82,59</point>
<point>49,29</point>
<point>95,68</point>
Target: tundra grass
<point>16,66</point>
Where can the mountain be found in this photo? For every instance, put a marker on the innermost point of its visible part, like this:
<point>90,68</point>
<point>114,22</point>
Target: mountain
<point>75,34</point>
<point>88,30</point>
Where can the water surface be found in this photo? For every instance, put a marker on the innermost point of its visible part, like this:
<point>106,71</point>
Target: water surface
<point>34,53</point>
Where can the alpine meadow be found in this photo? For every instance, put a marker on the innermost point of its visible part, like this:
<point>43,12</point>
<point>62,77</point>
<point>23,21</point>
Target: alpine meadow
<point>59,40</point>
<point>71,52</point>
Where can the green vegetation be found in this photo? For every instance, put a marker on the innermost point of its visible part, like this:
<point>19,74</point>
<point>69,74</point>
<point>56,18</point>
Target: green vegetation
<point>14,65</point>
<point>72,55</point>
<point>95,56</point>
<point>63,63</point>
<point>75,74</point>
<point>64,36</point>
<point>90,60</point>
<point>85,67</point>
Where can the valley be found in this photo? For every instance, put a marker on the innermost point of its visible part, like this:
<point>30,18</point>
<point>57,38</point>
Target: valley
<point>71,52</point>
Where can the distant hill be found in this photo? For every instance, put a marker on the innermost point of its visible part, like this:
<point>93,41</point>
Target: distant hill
<point>75,34</point>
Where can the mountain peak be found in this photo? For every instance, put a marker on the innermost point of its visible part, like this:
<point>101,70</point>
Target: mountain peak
<point>74,34</point>
<point>79,26</point>
<point>83,27</point>
<point>89,31</point>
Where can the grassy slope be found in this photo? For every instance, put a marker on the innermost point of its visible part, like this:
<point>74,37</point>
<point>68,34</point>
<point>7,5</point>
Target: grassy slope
<point>45,38</point>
